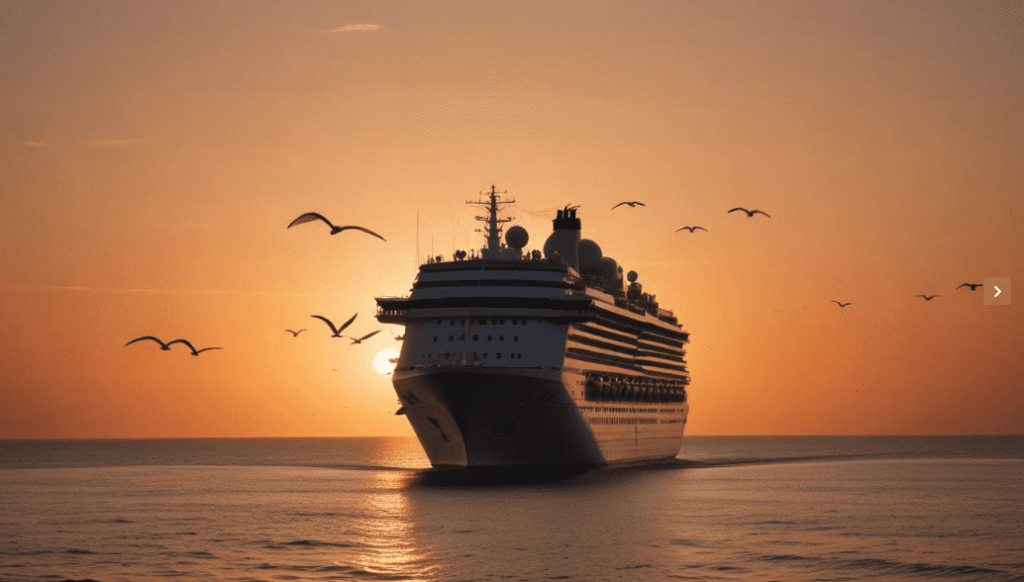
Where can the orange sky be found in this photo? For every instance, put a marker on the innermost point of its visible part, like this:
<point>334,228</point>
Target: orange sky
<point>153,154</point>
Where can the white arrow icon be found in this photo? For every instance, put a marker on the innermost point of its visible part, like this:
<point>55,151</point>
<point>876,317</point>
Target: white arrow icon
<point>998,291</point>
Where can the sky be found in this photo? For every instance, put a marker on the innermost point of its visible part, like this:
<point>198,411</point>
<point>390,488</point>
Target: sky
<point>154,153</point>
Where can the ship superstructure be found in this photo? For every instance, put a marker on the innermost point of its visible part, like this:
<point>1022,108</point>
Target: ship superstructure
<point>537,358</point>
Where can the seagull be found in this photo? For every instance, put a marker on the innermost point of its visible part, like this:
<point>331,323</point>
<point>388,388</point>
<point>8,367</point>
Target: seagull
<point>195,352</point>
<point>367,336</point>
<point>632,204</point>
<point>928,297</point>
<point>973,286</point>
<point>295,333</point>
<point>841,304</point>
<point>692,228</point>
<point>750,213</point>
<point>337,330</point>
<point>163,346</point>
<point>311,216</point>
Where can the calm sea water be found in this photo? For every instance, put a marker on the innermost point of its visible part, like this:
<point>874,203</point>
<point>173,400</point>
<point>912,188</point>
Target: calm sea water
<point>800,508</point>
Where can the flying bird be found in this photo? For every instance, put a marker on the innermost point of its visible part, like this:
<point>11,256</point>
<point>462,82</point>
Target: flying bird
<point>295,333</point>
<point>632,204</point>
<point>973,286</point>
<point>841,304</point>
<point>367,336</point>
<point>928,297</point>
<point>750,213</point>
<point>311,216</point>
<point>336,330</point>
<point>163,346</point>
<point>195,352</point>
<point>692,228</point>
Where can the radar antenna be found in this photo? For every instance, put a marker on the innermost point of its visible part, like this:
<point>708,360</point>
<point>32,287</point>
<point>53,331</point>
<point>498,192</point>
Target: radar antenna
<point>494,228</point>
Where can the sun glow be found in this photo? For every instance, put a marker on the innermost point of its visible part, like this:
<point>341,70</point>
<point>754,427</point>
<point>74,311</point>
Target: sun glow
<point>385,360</point>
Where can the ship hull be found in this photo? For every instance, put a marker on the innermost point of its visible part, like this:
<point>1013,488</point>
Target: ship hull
<point>468,417</point>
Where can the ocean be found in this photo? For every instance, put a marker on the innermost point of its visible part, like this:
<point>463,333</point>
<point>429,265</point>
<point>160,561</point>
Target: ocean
<point>729,508</point>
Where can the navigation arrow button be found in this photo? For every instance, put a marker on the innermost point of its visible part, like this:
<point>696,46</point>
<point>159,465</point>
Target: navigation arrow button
<point>997,291</point>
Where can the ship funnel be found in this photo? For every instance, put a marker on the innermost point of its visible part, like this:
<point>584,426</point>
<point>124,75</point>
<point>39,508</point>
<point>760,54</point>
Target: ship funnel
<point>563,244</point>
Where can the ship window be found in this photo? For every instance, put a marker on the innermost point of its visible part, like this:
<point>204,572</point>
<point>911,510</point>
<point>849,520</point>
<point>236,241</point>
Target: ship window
<point>462,337</point>
<point>501,338</point>
<point>494,322</point>
<point>499,355</point>
<point>519,356</point>
<point>462,322</point>
<point>515,338</point>
<point>435,339</point>
<point>476,337</point>
<point>485,354</point>
<point>488,338</point>
<point>451,338</point>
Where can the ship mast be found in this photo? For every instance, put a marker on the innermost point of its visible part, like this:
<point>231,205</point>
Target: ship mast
<point>493,232</point>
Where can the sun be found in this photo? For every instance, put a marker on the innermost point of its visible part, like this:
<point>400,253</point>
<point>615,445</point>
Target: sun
<point>385,360</point>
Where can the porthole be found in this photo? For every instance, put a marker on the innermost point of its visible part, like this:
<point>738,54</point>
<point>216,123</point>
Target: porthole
<point>499,355</point>
<point>501,338</point>
<point>519,356</point>
<point>435,339</point>
<point>451,338</point>
<point>485,354</point>
<point>476,337</point>
<point>515,338</point>
<point>488,338</point>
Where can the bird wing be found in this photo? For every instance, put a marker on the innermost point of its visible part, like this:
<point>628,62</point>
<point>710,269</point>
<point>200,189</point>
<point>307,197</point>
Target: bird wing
<point>310,217</point>
<point>347,323</point>
<point>640,203</point>
<point>753,212</point>
<point>617,205</point>
<point>738,208</point>
<point>700,228</point>
<point>197,352</point>
<point>369,335</point>
<point>334,330</point>
<point>684,228</point>
<point>182,341</point>
<point>836,302</point>
<point>146,337</point>
<point>366,230</point>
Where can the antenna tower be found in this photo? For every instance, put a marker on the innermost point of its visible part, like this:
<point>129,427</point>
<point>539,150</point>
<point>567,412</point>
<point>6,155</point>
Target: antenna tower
<point>494,228</point>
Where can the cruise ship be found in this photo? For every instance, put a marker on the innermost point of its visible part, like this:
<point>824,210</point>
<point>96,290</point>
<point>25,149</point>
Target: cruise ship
<point>537,358</point>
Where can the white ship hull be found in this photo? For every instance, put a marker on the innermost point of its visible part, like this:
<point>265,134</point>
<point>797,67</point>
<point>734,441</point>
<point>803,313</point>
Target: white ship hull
<point>473,418</point>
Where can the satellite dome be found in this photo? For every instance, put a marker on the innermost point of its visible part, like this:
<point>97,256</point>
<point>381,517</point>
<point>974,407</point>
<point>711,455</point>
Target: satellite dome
<point>631,276</point>
<point>590,255</point>
<point>609,267</point>
<point>517,237</point>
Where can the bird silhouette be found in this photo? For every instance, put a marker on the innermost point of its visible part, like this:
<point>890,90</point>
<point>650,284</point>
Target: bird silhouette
<point>365,337</point>
<point>163,346</point>
<point>632,204</point>
<point>750,213</point>
<point>195,352</point>
<point>311,216</point>
<point>336,330</point>
<point>927,297</point>
<point>295,333</point>
<point>692,228</point>
<point>841,304</point>
<point>973,286</point>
